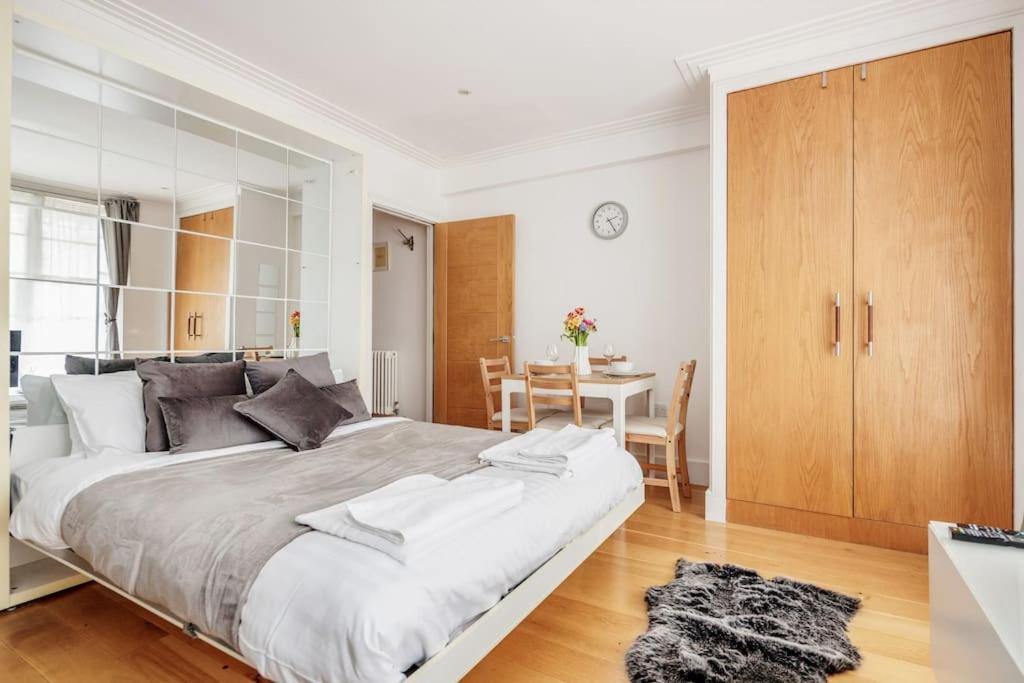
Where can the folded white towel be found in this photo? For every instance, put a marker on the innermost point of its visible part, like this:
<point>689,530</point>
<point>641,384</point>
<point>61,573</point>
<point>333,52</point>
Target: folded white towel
<point>565,444</point>
<point>546,451</point>
<point>413,514</point>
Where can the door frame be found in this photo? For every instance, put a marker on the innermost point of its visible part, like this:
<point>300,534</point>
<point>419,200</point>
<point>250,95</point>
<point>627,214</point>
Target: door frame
<point>429,286</point>
<point>861,48</point>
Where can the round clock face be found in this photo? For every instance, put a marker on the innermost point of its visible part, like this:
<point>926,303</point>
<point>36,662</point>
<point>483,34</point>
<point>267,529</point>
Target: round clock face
<point>610,220</point>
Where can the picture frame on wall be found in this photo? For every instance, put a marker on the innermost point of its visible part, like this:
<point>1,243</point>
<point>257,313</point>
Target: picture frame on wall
<point>381,256</point>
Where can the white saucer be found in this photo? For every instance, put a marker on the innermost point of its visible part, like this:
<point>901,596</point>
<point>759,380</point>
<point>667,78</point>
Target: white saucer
<point>627,373</point>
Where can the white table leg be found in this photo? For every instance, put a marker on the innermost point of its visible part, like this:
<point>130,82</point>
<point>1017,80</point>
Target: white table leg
<point>619,415</point>
<point>506,406</point>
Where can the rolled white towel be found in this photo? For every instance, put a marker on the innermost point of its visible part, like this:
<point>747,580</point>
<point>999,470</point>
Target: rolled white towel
<point>413,514</point>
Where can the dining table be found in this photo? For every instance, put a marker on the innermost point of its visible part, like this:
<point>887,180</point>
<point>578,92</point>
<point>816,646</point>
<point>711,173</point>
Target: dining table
<point>618,389</point>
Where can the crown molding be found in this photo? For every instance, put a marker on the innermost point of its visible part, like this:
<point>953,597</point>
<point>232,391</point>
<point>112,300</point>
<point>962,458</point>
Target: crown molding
<point>151,26</point>
<point>634,123</point>
<point>878,22</point>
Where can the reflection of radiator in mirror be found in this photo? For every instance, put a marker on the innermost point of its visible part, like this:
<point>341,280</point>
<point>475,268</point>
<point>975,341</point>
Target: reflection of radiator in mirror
<point>268,324</point>
<point>385,383</point>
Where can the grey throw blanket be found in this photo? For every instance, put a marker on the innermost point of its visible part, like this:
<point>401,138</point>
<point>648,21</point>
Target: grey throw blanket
<point>192,537</point>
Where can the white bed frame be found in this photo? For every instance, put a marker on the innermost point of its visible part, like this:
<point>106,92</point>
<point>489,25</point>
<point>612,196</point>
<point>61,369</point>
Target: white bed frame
<point>56,570</point>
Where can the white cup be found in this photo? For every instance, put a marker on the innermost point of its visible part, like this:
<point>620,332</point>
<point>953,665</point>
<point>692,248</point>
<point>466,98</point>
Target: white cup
<point>622,366</point>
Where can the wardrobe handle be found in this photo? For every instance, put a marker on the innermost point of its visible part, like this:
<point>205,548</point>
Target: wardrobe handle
<point>839,331</point>
<point>190,323</point>
<point>871,323</point>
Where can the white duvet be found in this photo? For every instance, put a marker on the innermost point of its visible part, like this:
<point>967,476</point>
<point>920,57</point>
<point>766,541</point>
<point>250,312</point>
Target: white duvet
<point>327,609</point>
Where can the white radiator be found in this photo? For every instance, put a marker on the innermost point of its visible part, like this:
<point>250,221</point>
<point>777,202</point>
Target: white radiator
<point>385,382</point>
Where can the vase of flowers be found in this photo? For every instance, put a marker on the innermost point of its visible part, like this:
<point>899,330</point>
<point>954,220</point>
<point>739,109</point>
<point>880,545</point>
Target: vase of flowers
<point>577,328</point>
<point>295,321</point>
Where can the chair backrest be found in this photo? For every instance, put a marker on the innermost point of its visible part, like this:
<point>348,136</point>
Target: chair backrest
<point>601,361</point>
<point>541,383</point>
<point>680,398</point>
<point>491,371</point>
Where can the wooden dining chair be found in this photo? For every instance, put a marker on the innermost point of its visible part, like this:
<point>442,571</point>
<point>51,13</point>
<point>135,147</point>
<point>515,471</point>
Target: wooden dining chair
<point>669,432</point>
<point>602,362</point>
<point>491,371</point>
<point>557,386</point>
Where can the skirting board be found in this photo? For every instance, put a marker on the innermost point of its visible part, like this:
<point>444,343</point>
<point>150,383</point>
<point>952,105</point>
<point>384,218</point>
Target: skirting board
<point>469,647</point>
<point>912,539</point>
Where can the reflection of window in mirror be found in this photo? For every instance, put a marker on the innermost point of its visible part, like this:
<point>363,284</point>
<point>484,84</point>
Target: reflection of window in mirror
<point>140,230</point>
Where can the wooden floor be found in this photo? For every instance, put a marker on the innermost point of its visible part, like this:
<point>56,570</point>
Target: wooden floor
<point>578,634</point>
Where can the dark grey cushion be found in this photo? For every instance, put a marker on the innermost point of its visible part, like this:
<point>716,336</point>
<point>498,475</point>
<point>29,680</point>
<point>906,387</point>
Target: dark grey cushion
<point>265,374</point>
<point>202,423</point>
<point>295,411</point>
<point>183,381</point>
<point>83,365</point>
<point>348,397</point>
<point>213,357</point>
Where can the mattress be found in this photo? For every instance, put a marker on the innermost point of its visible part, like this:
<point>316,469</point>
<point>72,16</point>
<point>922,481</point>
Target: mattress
<point>326,609</point>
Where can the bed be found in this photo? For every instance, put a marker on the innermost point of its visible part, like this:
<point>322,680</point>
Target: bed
<point>326,609</point>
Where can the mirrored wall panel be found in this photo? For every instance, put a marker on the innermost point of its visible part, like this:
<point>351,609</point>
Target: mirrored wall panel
<point>141,230</point>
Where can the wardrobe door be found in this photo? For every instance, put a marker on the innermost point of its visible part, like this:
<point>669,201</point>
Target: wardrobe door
<point>933,401</point>
<point>789,407</point>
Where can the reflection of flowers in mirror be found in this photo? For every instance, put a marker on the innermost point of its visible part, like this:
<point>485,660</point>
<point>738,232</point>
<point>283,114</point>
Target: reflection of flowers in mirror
<point>295,320</point>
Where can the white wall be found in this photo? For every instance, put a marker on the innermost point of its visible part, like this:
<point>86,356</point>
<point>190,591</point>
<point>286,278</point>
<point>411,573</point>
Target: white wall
<point>400,309</point>
<point>648,289</point>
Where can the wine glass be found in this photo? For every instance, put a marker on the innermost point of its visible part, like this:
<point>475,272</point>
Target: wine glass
<point>609,352</point>
<point>551,353</point>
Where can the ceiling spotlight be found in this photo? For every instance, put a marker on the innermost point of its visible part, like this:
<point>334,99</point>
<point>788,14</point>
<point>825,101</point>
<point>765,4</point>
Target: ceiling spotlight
<point>464,91</point>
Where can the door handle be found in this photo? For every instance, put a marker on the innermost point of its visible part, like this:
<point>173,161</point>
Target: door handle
<point>871,323</point>
<point>191,325</point>
<point>839,330</point>
<point>199,325</point>
<point>505,339</point>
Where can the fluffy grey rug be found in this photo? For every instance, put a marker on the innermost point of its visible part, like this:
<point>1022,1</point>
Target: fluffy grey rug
<point>719,622</point>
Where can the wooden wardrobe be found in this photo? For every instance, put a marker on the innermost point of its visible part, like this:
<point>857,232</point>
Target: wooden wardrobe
<point>870,312</point>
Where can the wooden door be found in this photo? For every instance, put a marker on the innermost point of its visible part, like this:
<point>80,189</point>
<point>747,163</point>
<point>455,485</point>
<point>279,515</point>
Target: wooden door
<point>933,245</point>
<point>220,222</point>
<point>203,264</point>
<point>789,406</point>
<point>200,322</point>
<point>474,303</point>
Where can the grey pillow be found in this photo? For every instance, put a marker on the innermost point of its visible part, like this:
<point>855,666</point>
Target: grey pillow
<point>202,423</point>
<point>213,357</point>
<point>82,365</point>
<point>295,411</point>
<point>183,381</point>
<point>348,397</point>
<point>265,374</point>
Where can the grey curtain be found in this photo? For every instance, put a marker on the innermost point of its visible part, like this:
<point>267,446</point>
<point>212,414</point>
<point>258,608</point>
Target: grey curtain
<point>117,243</point>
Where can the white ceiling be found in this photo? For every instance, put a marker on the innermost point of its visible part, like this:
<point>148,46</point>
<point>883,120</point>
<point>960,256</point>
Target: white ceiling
<point>536,68</point>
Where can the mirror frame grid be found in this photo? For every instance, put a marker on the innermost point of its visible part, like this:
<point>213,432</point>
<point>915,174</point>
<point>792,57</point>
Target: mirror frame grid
<point>43,194</point>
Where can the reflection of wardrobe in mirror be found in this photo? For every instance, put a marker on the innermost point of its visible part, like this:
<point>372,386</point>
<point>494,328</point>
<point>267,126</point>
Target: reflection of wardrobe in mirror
<point>202,278</point>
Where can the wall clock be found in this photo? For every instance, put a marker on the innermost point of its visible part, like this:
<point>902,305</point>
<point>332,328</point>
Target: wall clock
<point>609,220</point>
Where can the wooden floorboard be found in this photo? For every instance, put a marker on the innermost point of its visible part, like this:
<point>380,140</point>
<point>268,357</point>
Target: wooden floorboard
<point>580,633</point>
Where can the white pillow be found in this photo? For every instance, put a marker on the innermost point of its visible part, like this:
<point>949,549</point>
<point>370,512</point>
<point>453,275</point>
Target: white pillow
<point>104,412</point>
<point>43,405</point>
